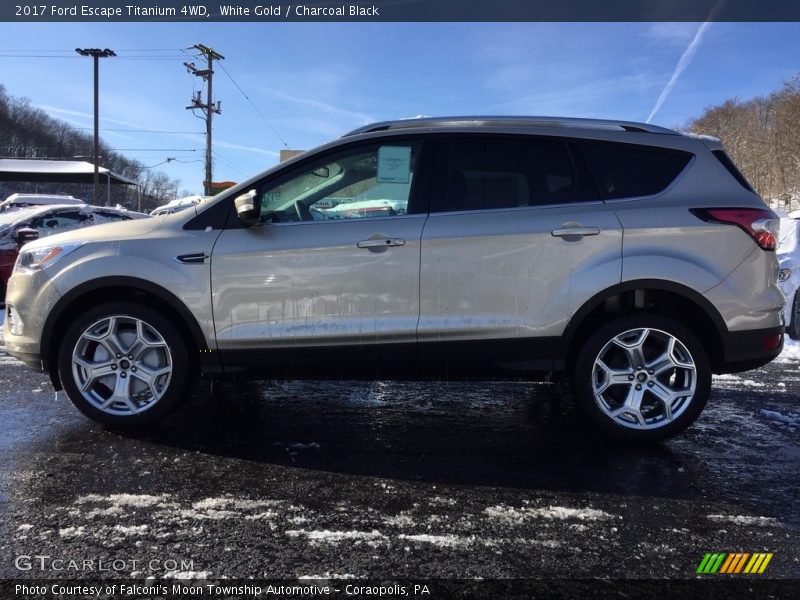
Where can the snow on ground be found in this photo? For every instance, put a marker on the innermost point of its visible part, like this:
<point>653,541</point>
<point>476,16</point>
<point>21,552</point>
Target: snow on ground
<point>328,575</point>
<point>736,382</point>
<point>130,500</point>
<point>744,520</point>
<point>791,351</point>
<point>445,541</point>
<point>333,537</point>
<point>517,515</point>
<point>790,419</point>
<point>187,574</point>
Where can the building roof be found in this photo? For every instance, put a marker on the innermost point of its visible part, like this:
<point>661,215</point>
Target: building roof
<point>56,171</point>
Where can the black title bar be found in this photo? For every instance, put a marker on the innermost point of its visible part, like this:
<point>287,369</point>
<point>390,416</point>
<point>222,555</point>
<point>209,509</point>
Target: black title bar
<point>397,10</point>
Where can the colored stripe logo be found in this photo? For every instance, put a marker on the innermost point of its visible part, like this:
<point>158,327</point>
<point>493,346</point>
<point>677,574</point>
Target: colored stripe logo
<point>734,563</point>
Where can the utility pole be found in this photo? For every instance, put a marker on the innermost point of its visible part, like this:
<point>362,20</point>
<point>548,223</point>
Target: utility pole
<point>96,54</point>
<point>208,108</point>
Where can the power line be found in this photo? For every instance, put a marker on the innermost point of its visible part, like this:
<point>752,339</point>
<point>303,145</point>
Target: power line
<point>153,58</point>
<point>229,164</point>
<point>153,50</point>
<point>144,130</point>
<point>154,149</point>
<point>238,87</point>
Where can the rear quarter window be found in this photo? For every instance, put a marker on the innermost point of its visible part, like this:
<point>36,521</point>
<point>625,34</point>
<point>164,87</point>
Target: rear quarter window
<point>631,170</point>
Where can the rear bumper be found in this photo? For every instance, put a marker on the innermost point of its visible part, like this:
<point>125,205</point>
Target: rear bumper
<point>746,350</point>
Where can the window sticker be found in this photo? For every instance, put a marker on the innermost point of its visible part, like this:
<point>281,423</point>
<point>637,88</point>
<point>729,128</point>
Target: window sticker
<point>394,164</point>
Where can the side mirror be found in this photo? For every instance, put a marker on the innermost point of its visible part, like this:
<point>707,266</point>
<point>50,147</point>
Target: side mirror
<point>23,235</point>
<point>246,208</point>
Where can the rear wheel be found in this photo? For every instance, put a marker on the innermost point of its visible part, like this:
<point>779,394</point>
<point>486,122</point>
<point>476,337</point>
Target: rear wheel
<point>124,364</point>
<point>642,377</point>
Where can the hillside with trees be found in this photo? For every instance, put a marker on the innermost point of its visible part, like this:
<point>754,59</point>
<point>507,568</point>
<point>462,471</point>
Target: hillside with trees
<point>762,136</point>
<point>29,132</point>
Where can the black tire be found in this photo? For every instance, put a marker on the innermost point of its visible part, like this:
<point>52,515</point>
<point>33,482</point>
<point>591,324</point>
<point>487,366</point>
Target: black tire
<point>793,328</point>
<point>586,378</point>
<point>173,353</point>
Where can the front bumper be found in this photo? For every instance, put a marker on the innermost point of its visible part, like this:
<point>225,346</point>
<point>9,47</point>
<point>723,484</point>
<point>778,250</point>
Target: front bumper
<point>31,295</point>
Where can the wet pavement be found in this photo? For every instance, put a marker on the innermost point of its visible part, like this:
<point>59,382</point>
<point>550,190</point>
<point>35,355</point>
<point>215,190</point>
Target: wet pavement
<point>419,480</point>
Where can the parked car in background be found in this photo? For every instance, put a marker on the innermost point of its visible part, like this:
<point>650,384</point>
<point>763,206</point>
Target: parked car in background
<point>502,257</point>
<point>15,201</point>
<point>18,227</point>
<point>176,205</point>
<point>789,275</point>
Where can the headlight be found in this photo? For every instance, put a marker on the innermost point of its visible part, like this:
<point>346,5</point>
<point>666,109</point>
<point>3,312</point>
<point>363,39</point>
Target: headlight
<point>784,274</point>
<point>39,258</point>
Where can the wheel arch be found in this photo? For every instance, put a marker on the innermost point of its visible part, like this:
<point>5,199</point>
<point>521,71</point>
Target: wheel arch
<point>652,295</point>
<point>111,289</point>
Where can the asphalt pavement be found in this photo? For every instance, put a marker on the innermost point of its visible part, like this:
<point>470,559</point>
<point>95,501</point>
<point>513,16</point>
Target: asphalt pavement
<point>349,480</point>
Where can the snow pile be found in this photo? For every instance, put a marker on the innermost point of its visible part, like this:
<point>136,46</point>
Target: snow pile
<point>129,500</point>
<point>744,520</point>
<point>791,351</point>
<point>791,419</point>
<point>187,574</point>
<point>131,530</point>
<point>71,532</point>
<point>735,381</point>
<point>401,520</point>
<point>333,537</point>
<point>445,541</point>
<point>328,576</point>
<point>518,515</point>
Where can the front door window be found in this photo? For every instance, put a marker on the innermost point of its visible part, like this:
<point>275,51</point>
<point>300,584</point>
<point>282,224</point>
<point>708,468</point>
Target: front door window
<point>366,182</point>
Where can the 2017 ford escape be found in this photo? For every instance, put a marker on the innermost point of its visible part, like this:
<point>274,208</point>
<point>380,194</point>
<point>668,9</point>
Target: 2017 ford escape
<point>634,259</point>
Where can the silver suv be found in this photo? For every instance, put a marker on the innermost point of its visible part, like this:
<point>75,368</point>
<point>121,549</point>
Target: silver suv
<point>635,260</point>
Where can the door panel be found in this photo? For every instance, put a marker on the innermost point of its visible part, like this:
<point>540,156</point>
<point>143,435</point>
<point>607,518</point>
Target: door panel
<point>497,274</point>
<point>334,263</point>
<point>310,284</point>
<point>516,242</point>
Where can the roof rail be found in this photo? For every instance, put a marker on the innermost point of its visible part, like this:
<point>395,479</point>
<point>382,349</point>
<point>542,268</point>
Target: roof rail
<point>509,121</point>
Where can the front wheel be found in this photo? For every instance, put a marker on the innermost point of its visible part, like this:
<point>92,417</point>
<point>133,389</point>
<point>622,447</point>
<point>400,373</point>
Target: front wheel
<point>124,364</point>
<point>642,377</point>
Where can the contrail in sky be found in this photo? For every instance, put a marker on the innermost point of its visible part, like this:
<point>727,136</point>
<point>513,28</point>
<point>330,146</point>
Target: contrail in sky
<point>686,57</point>
<point>684,61</point>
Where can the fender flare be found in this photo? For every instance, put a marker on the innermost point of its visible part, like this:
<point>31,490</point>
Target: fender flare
<point>209,361</point>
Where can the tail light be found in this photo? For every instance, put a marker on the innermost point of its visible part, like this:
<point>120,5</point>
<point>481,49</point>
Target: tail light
<point>772,342</point>
<point>761,224</point>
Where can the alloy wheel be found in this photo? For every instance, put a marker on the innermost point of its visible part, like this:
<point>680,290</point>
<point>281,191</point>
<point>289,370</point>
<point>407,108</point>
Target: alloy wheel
<point>644,378</point>
<point>122,365</point>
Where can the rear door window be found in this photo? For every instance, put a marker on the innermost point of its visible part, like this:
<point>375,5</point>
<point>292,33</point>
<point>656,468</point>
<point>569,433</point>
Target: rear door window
<point>487,173</point>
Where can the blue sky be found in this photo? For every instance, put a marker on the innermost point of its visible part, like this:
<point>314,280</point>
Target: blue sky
<point>315,81</point>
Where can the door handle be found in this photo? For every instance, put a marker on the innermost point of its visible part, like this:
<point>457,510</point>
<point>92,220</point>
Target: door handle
<point>577,231</point>
<point>381,243</point>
